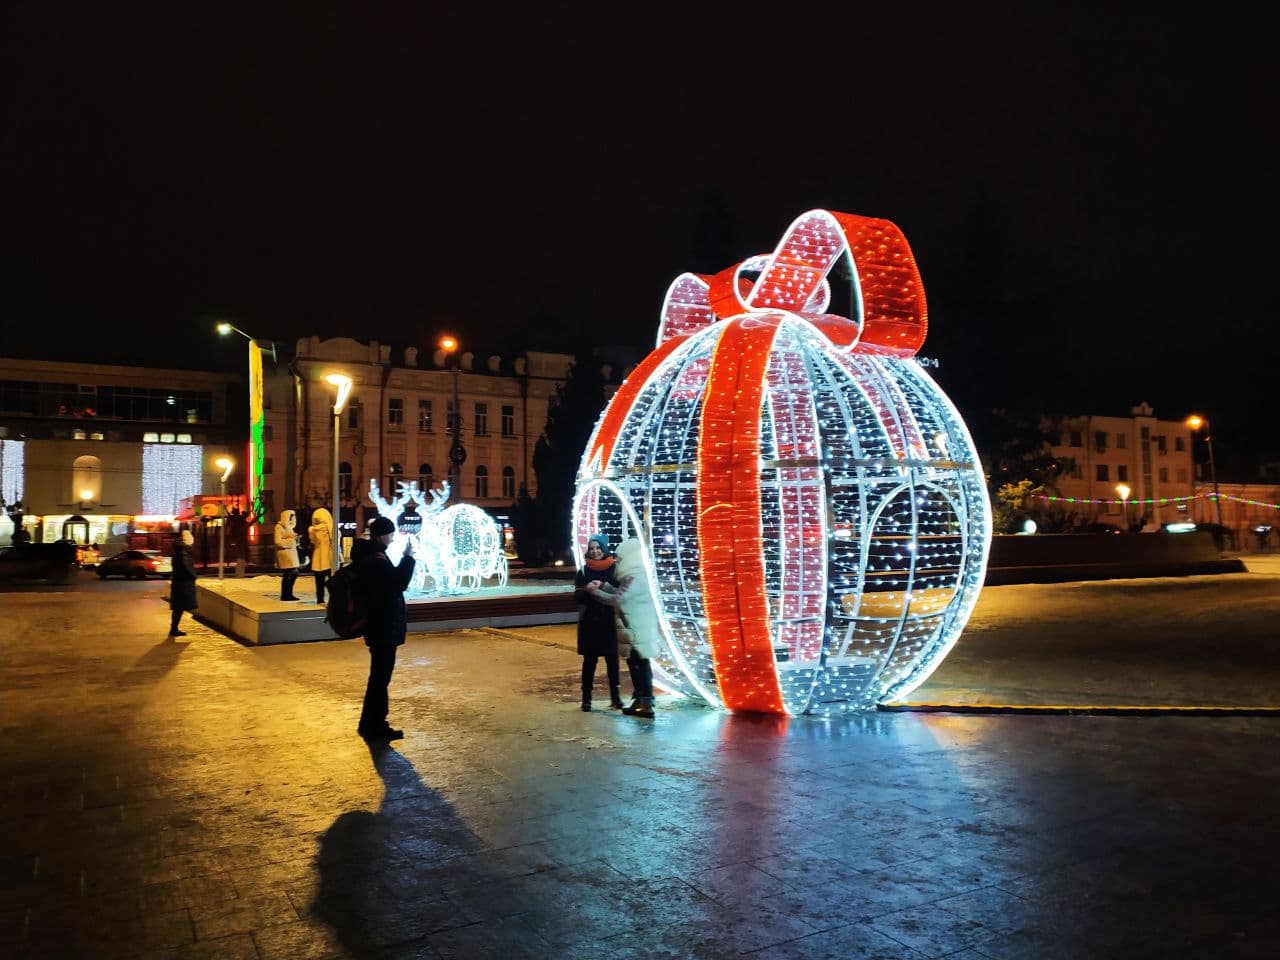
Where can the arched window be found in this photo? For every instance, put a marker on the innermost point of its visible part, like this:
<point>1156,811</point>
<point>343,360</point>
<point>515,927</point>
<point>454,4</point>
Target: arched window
<point>482,482</point>
<point>86,480</point>
<point>395,474</point>
<point>425,477</point>
<point>344,480</point>
<point>509,483</point>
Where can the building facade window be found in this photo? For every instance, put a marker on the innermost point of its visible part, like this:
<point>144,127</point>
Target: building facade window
<point>1102,472</point>
<point>451,418</point>
<point>1122,473</point>
<point>344,480</point>
<point>395,474</point>
<point>1182,474</point>
<point>1100,439</point>
<point>353,416</point>
<point>426,479</point>
<point>1164,474</point>
<point>509,483</point>
<point>1161,446</point>
<point>267,433</point>
<point>425,423</point>
<point>395,412</point>
<point>1121,441</point>
<point>266,464</point>
<point>482,483</point>
<point>482,419</point>
<point>1180,444</point>
<point>1077,471</point>
<point>508,420</point>
<point>1077,439</point>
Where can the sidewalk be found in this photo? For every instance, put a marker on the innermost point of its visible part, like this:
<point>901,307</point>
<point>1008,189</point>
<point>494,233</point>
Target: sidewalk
<point>205,799</point>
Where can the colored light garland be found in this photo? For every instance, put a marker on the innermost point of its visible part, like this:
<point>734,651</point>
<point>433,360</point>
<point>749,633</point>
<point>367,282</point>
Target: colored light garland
<point>1160,500</point>
<point>814,514</point>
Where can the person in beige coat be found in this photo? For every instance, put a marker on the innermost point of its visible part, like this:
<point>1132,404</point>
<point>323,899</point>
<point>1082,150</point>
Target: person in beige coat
<point>286,540</point>
<point>320,533</point>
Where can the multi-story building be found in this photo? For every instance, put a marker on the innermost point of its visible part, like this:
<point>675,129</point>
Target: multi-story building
<point>107,448</point>
<point>1149,458</point>
<point>397,424</point>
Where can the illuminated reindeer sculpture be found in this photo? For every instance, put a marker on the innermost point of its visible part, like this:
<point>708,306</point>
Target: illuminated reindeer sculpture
<point>457,548</point>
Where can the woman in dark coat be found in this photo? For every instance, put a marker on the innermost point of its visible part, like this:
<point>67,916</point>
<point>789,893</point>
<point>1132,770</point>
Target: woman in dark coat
<point>182,582</point>
<point>597,633</point>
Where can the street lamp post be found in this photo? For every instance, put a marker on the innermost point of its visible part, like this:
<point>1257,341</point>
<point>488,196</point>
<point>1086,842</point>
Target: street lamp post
<point>457,452</point>
<point>1195,422</point>
<point>343,385</point>
<point>1123,490</point>
<point>226,463</point>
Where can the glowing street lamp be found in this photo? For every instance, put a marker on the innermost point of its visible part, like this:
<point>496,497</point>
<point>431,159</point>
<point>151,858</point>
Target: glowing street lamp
<point>1195,422</point>
<point>457,452</point>
<point>1123,490</point>
<point>342,384</point>
<point>225,463</point>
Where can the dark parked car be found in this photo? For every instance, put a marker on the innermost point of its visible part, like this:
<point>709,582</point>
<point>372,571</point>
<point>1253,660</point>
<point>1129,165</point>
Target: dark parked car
<point>136,565</point>
<point>38,561</point>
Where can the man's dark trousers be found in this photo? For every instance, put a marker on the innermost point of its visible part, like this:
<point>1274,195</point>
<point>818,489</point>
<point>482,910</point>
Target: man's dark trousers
<point>382,662</point>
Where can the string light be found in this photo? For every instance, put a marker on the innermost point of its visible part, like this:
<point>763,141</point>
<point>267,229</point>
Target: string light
<point>457,548</point>
<point>814,514</point>
<point>171,473</point>
<point>1160,500</point>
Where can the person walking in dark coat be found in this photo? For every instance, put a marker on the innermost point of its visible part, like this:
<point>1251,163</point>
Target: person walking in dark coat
<point>597,632</point>
<point>182,582</point>
<point>382,586</point>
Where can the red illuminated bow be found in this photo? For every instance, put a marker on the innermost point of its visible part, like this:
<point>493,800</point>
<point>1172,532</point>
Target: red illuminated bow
<point>891,320</point>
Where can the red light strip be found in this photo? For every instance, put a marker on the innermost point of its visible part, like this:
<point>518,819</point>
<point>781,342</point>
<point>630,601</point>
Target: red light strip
<point>730,538</point>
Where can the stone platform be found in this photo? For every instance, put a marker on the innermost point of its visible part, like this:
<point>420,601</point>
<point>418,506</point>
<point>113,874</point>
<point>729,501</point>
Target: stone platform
<point>251,610</point>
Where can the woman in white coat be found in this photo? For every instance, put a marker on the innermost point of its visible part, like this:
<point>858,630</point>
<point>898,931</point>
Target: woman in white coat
<point>637,617</point>
<point>286,539</point>
<point>320,533</point>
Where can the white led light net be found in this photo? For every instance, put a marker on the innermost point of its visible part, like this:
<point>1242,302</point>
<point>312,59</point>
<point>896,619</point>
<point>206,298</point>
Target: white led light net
<point>171,473</point>
<point>874,519</point>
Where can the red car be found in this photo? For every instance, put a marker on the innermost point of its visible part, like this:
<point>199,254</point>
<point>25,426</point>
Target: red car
<point>136,565</point>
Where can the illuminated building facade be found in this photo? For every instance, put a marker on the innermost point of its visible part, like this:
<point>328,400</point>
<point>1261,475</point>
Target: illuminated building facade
<point>108,444</point>
<point>397,424</point>
<point>1152,458</point>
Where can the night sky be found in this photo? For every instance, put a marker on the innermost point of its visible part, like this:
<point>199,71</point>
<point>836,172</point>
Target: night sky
<point>1089,191</point>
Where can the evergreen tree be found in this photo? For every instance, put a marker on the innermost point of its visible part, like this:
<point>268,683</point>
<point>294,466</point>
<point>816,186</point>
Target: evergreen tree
<point>573,412</point>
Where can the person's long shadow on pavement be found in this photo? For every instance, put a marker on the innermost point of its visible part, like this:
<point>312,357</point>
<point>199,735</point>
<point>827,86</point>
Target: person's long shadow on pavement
<point>155,663</point>
<point>382,874</point>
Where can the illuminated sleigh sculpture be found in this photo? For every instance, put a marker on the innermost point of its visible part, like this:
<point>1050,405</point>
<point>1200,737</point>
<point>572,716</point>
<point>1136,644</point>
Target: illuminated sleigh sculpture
<point>457,548</point>
<point>814,515</point>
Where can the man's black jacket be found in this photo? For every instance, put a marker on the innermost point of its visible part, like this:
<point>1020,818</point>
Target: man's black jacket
<point>382,586</point>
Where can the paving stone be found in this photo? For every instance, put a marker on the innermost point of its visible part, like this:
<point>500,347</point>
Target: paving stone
<point>219,804</point>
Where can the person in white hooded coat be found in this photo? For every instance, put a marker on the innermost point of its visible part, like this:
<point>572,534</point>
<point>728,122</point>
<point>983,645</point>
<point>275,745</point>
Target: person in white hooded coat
<point>637,618</point>
<point>286,541</point>
<point>320,533</point>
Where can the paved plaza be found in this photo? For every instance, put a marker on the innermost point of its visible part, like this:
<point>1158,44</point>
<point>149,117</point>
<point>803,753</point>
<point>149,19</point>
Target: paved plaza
<point>205,799</point>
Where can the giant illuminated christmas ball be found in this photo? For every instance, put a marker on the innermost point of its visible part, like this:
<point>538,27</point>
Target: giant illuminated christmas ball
<point>814,514</point>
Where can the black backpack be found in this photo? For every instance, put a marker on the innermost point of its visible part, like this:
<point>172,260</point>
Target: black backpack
<point>346,611</point>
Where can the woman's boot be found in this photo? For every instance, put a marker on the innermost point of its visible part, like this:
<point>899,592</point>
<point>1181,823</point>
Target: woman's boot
<point>615,699</point>
<point>586,699</point>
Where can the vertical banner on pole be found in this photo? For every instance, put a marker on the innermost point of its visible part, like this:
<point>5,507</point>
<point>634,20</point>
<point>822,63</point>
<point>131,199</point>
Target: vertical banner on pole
<point>257,419</point>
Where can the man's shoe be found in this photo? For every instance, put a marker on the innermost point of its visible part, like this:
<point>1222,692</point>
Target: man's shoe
<point>177,633</point>
<point>385,733</point>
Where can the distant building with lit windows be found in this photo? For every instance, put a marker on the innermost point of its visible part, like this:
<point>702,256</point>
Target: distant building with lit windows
<point>397,424</point>
<point>1151,457</point>
<point>99,446</point>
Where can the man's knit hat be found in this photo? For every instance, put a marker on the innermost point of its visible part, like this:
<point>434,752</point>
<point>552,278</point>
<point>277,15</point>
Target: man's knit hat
<point>380,526</point>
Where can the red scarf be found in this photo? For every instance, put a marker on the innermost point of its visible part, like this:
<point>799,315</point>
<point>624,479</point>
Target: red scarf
<point>599,566</point>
